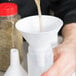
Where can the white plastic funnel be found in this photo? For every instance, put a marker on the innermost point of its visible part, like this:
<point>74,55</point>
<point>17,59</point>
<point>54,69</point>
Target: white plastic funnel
<point>30,29</point>
<point>15,69</point>
<point>40,55</point>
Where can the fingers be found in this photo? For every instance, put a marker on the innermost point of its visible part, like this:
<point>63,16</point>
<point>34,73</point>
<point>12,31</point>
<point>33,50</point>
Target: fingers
<point>54,71</point>
<point>62,67</point>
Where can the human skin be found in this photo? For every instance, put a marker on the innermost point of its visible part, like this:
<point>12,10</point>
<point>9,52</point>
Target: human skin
<point>65,54</point>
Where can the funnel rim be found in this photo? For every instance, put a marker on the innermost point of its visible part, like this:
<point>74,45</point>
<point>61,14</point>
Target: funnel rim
<point>43,32</point>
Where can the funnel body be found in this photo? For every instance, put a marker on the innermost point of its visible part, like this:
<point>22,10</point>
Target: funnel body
<point>40,54</point>
<point>30,29</point>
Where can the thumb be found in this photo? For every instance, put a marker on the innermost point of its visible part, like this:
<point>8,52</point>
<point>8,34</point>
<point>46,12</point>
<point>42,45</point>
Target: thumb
<point>53,71</point>
<point>59,67</point>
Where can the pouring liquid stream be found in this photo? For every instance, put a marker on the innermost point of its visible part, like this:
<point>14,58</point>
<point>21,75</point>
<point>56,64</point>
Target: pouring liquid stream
<point>37,2</point>
<point>13,35</point>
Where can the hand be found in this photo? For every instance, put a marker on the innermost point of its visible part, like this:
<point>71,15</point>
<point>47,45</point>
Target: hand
<point>64,60</point>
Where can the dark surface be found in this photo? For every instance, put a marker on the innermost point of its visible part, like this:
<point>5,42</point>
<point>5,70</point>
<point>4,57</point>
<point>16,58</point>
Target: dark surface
<point>65,9</point>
